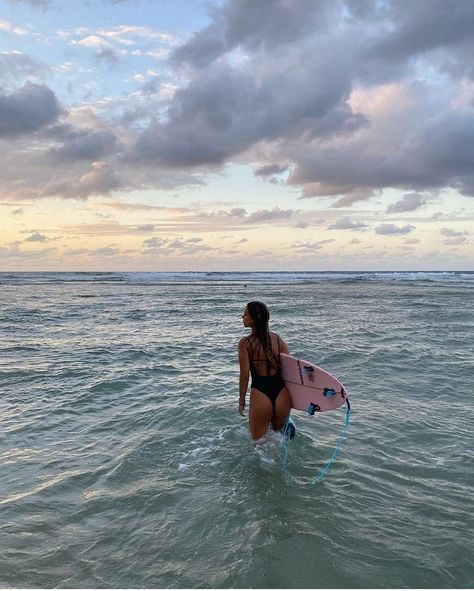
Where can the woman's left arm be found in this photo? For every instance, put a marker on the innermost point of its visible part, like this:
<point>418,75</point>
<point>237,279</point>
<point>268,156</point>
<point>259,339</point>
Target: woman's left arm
<point>244,363</point>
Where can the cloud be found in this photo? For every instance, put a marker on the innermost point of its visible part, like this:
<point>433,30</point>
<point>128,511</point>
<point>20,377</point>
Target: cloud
<point>121,40</point>
<point>177,246</point>
<point>109,55</point>
<point>93,41</point>
<point>455,241</point>
<point>271,170</point>
<point>264,215</point>
<point>99,180</point>
<point>392,229</point>
<point>8,27</point>
<point>345,223</point>
<point>27,110</point>
<point>146,228</point>
<point>43,4</point>
<point>87,144</point>
<point>75,252</point>
<point>208,121</point>
<point>453,237</point>
<point>310,247</point>
<point>36,237</point>
<point>14,252</point>
<point>346,98</point>
<point>106,251</point>
<point>362,151</point>
<point>421,27</point>
<point>409,202</point>
<point>253,25</point>
<point>351,197</point>
<point>16,66</point>
<point>450,233</point>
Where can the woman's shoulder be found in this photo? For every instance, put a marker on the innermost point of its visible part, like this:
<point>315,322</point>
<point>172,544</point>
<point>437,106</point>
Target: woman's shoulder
<point>244,341</point>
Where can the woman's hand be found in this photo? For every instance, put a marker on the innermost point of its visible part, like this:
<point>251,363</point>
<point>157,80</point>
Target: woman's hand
<point>241,408</point>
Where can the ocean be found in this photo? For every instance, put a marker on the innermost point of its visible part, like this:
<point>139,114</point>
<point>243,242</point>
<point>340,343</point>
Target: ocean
<point>125,463</point>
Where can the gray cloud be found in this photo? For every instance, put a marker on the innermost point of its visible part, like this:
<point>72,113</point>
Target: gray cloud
<point>450,233</point>
<point>362,54</point>
<point>36,237</point>
<point>266,23</point>
<point>108,54</point>
<point>409,202</point>
<point>437,153</point>
<point>392,229</point>
<point>176,246</point>
<point>209,120</point>
<point>44,4</point>
<point>86,144</point>
<point>27,110</point>
<point>274,80</point>
<point>106,251</point>
<point>345,223</point>
<point>271,170</point>
<point>146,228</point>
<point>264,215</point>
<point>417,28</point>
<point>99,180</point>
<point>13,251</point>
<point>453,237</point>
<point>310,246</point>
<point>16,66</point>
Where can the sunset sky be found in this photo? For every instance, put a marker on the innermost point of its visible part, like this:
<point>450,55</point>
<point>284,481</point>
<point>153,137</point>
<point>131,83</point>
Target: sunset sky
<point>160,135</point>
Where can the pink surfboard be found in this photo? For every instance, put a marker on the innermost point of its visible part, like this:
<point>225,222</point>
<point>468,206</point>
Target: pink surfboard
<point>312,389</point>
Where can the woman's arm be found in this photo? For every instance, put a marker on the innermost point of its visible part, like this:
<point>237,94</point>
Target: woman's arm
<point>244,363</point>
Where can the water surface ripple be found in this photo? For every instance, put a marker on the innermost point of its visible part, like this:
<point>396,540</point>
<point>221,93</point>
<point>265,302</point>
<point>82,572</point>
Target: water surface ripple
<point>126,464</point>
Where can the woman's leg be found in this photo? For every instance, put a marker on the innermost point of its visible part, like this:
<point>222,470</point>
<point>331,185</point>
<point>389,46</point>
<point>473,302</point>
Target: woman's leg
<point>282,409</point>
<point>260,413</point>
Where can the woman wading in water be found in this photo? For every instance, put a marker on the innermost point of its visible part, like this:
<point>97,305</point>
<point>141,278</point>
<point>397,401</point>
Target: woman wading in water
<point>259,356</point>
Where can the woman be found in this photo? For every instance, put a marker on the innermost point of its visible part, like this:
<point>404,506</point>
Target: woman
<point>259,355</point>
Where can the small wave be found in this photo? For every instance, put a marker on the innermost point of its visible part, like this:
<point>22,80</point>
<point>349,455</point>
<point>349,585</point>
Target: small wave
<point>269,277</point>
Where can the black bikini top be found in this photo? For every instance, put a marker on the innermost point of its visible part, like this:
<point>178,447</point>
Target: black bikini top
<point>252,359</point>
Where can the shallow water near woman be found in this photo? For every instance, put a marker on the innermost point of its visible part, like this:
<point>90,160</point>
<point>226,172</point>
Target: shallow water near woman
<point>126,464</point>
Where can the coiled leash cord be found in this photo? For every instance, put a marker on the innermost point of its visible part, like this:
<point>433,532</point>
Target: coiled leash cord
<point>322,473</point>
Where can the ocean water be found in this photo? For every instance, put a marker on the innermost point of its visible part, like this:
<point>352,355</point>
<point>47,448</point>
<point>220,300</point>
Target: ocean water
<point>125,464</point>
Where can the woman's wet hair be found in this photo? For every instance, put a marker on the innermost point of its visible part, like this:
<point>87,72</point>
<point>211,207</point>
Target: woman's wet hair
<point>260,315</point>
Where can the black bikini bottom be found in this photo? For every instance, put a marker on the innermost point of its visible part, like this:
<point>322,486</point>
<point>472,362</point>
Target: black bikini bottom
<point>271,386</point>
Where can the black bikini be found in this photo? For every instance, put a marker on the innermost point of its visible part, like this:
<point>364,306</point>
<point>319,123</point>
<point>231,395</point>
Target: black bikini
<point>271,386</point>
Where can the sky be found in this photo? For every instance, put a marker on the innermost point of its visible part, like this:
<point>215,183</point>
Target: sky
<point>190,135</point>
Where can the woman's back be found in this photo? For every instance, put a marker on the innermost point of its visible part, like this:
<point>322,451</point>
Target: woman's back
<point>261,362</point>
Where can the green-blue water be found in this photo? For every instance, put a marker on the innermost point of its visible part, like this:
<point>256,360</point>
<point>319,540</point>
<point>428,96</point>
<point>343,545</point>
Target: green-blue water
<point>124,461</point>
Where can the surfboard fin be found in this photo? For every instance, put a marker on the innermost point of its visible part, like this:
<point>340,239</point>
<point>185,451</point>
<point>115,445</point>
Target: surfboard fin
<point>312,408</point>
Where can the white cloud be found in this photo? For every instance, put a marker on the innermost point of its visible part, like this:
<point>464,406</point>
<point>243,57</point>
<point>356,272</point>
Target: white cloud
<point>93,41</point>
<point>8,27</point>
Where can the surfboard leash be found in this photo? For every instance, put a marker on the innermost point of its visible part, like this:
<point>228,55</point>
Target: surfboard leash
<point>322,473</point>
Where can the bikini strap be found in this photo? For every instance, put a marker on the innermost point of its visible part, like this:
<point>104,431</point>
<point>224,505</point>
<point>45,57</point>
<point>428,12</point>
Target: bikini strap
<point>249,342</point>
